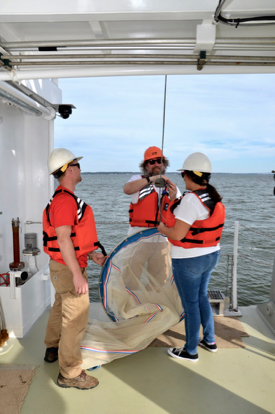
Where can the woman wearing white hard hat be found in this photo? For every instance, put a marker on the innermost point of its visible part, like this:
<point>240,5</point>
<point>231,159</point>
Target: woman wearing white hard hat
<point>194,227</point>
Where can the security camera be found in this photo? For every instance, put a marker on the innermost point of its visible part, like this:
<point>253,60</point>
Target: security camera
<point>65,110</point>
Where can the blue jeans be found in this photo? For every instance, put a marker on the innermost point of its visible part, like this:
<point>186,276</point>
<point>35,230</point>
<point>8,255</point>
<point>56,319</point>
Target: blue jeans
<point>192,276</point>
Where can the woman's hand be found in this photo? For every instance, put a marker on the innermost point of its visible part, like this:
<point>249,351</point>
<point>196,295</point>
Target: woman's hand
<point>172,188</point>
<point>178,232</point>
<point>161,228</point>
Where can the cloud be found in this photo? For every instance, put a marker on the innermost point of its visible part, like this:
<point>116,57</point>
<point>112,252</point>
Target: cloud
<point>229,117</point>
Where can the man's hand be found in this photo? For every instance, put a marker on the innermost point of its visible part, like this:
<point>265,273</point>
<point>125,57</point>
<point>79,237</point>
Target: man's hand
<point>153,178</point>
<point>172,188</point>
<point>80,284</point>
<point>98,258</point>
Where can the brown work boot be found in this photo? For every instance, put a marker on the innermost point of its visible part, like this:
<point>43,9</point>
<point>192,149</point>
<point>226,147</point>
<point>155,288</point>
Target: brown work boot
<point>51,355</point>
<point>82,382</point>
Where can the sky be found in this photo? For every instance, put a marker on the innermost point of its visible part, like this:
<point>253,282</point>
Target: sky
<point>230,118</point>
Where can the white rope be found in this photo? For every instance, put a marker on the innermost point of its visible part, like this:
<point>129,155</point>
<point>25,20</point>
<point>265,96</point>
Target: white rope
<point>229,226</point>
<point>163,118</point>
<point>257,232</point>
<point>112,222</point>
<point>253,260</point>
<point>247,257</point>
<point>162,140</point>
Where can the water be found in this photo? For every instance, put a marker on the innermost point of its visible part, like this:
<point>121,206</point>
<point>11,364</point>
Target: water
<point>248,199</point>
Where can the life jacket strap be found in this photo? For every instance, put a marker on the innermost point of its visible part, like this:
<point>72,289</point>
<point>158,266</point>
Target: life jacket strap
<point>154,222</point>
<point>97,244</point>
<point>198,231</point>
<point>47,239</point>
<point>176,202</point>
<point>101,248</point>
<point>199,241</point>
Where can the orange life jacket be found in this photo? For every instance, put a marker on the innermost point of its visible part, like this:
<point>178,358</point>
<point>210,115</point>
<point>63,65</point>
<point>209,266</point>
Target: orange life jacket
<point>147,212</point>
<point>202,233</point>
<point>83,236</point>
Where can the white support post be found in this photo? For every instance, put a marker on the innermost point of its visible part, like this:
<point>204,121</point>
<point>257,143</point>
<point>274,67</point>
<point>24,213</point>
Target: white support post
<point>234,276</point>
<point>13,276</point>
<point>17,274</point>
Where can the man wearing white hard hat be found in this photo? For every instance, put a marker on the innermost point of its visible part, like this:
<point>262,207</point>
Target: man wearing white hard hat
<point>69,237</point>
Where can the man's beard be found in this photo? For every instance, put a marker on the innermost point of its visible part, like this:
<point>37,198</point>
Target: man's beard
<point>158,171</point>
<point>145,171</point>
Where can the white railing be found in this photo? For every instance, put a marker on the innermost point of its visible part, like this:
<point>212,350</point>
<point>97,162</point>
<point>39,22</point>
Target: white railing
<point>233,294</point>
<point>234,271</point>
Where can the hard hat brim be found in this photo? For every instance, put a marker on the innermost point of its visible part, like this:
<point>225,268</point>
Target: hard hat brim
<point>74,159</point>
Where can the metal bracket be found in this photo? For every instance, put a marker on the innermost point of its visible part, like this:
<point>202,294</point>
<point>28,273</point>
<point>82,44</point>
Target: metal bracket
<point>6,63</point>
<point>201,60</point>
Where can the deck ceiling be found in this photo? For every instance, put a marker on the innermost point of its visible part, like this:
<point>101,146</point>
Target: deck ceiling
<point>87,38</point>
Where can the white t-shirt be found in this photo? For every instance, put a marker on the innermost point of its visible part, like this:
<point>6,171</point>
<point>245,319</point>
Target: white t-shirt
<point>189,210</point>
<point>159,190</point>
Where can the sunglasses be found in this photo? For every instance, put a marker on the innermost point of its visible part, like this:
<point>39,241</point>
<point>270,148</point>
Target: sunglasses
<point>75,165</point>
<point>182,174</point>
<point>152,162</point>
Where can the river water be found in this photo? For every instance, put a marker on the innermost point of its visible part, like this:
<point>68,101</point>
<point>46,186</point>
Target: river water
<point>248,199</point>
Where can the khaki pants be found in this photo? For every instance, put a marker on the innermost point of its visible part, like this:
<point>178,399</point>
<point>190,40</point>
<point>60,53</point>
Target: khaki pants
<point>67,321</point>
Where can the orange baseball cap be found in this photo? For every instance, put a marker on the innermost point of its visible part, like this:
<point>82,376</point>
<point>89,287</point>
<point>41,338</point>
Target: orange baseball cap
<point>153,152</point>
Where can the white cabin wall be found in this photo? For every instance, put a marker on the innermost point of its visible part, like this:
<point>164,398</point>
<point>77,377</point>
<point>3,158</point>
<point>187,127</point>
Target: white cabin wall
<point>26,187</point>
<point>38,183</point>
<point>47,88</point>
<point>12,178</point>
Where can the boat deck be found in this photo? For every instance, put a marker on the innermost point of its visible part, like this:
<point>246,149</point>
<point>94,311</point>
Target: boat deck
<point>239,380</point>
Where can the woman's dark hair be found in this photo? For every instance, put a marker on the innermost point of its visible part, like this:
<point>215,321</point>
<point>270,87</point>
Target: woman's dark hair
<point>204,180</point>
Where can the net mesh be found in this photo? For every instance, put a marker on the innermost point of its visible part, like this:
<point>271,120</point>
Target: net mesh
<point>139,295</point>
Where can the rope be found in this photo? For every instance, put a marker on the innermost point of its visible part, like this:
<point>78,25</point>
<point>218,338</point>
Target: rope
<point>225,227</point>
<point>229,226</point>
<point>162,140</point>
<point>253,260</point>
<point>247,257</point>
<point>163,118</point>
<point>257,232</point>
<point>112,222</point>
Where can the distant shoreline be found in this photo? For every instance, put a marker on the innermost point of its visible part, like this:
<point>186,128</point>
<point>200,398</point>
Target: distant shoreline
<point>176,172</point>
<point>111,172</point>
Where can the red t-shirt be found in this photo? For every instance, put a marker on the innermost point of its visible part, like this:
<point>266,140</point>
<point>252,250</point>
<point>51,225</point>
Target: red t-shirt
<point>62,212</point>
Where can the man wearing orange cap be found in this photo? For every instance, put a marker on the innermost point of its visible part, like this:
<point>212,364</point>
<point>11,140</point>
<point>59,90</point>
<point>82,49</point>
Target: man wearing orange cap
<point>151,193</point>
<point>148,201</point>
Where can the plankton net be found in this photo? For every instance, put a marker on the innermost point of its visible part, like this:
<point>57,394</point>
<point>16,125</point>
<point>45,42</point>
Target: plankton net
<point>138,293</point>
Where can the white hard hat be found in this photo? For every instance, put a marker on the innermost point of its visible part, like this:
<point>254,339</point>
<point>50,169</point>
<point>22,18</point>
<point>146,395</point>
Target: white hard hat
<point>60,157</point>
<point>197,162</point>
